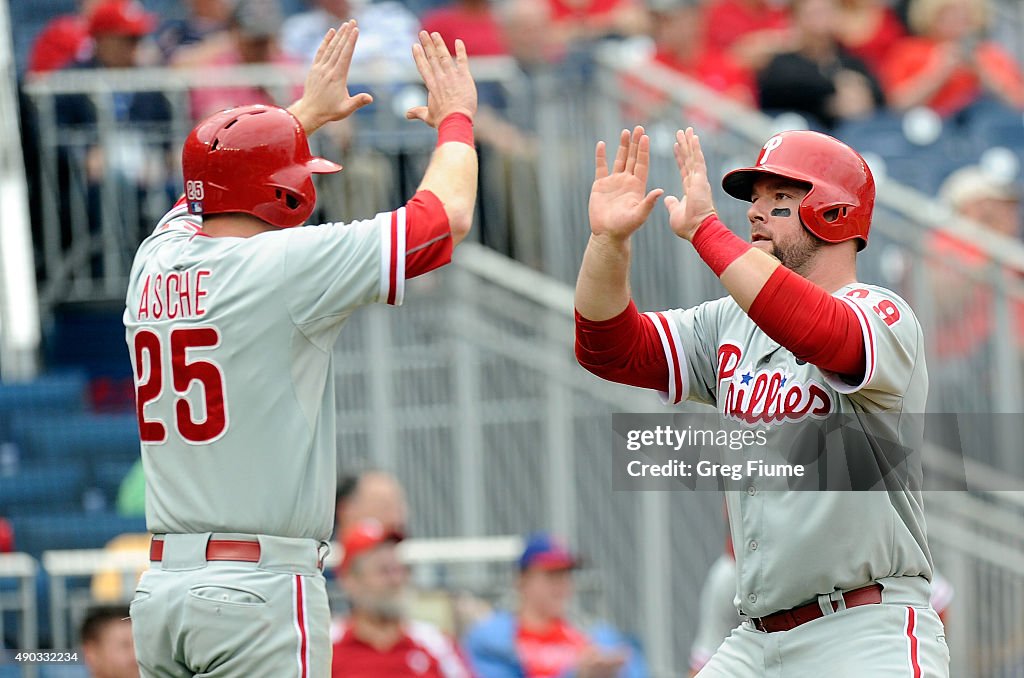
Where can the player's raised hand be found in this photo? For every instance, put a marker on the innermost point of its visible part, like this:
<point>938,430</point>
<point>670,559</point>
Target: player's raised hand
<point>619,201</point>
<point>685,215</point>
<point>450,85</point>
<point>325,97</point>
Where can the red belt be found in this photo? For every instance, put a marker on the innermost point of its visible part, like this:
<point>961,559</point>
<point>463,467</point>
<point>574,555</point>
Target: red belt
<point>216,549</point>
<point>790,619</point>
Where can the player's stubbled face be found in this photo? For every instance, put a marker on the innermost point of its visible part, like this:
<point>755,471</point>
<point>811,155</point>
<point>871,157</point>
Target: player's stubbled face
<point>775,227</point>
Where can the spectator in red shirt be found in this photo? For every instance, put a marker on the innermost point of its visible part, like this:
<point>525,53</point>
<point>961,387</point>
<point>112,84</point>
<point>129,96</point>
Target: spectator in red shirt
<point>539,641</point>
<point>948,65</point>
<point>377,639</point>
<point>868,29</point>
<point>584,20</point>
<point>679,32</point>
<point>473,21</point>
<point>963,302</point>
<point>751,31</point>
<point>63,40</point>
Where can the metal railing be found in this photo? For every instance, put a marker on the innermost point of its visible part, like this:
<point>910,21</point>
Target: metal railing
<point>24,569</point>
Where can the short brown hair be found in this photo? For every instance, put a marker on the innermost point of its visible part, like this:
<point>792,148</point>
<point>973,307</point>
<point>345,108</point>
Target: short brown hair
<point>98,618</point>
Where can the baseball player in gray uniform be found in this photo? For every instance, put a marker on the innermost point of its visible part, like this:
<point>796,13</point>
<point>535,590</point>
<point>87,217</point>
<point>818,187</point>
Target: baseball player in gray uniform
<point>832,583</point>
<point>230,320</point>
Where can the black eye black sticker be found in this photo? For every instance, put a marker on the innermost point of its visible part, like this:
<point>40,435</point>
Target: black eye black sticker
<point>781,212</point>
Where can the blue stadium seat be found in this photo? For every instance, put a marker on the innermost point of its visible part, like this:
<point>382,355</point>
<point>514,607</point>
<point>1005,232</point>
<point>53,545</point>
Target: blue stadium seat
<point>64,670</point>
<point>923,171</point>
<point>35,534</point>
<point>89,337</point>
<point>82,436</point>
<point>881,134</point>
<point>63,392</point>
<point>10,671</point>
<point>107,476</point>
<point>47,488</point>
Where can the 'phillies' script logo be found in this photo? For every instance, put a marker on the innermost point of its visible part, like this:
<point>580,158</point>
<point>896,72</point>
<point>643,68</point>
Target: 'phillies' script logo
<point>767,396</point>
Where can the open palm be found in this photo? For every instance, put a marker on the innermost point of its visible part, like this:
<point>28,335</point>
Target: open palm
<point>326,89</point>
<point>687,213</point>
<point>619,203</point>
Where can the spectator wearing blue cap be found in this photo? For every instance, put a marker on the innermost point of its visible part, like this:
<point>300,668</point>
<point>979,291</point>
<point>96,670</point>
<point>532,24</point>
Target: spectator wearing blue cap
<point>538,641</point>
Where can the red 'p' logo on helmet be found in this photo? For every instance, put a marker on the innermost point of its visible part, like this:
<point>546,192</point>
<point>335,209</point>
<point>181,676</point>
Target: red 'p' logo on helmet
<point>768,147</point>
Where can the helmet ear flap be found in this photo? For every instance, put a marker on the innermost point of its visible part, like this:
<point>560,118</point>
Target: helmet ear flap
<point>290,200</point>
<point>830,216</point>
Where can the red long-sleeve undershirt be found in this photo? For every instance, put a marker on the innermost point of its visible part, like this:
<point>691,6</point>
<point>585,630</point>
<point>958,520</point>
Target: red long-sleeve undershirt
<point>815,326</point>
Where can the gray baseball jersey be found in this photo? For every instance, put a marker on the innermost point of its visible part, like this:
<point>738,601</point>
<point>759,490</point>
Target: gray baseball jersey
<point>231,344</point>
<point>794,546</point>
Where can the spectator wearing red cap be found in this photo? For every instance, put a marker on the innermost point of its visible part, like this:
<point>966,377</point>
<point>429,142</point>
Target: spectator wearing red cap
<point>116,28</point>
<point>377,638</point>
<point>539,641</point>
<point>121,156</point>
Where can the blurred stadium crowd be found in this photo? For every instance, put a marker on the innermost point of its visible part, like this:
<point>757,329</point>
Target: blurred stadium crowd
<point>923,87</point>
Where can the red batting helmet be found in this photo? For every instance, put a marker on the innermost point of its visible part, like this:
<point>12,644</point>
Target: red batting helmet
<point>252,159</point>
<point>838,206</point>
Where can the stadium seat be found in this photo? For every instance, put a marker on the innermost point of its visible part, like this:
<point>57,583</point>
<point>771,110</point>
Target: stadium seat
<point>924,170</point>
<point>89,337</point>
<point>107,476</point>
<point>64,670</point>
<point>63,392</point>
<point>881,134</point>
<point>82,436</point>
<point>47,488</point>
<point>35,534</point>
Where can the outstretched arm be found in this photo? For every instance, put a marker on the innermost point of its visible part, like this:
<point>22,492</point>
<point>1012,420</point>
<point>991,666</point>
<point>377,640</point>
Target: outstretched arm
<point>619,205</point>
<point>451,105</point>
<point>613,340</point>
<point>325,97</point>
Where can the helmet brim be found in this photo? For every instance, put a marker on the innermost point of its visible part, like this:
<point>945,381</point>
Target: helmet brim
<point>322,166</point>
<point>739,183</point>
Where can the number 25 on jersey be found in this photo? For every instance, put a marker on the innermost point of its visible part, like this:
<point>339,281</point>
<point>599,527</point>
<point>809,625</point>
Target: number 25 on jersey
<point>149,354</point>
